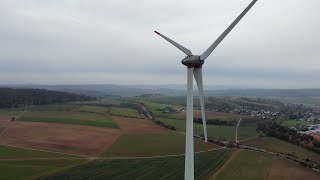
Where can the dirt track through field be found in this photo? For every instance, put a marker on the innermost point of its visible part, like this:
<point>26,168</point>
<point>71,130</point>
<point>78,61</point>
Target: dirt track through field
<point>101,158</point>
<point>75,139</point>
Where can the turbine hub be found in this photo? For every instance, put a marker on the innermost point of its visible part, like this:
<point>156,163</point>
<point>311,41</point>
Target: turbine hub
<point>192,61</point>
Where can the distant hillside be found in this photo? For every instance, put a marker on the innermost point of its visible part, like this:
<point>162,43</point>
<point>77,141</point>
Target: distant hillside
<point>10,97</point>
<point>103,90</point>
<point>266,92</point>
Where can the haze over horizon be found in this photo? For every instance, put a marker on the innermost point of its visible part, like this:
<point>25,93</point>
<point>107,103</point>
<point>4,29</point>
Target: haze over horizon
<point>112,42</point>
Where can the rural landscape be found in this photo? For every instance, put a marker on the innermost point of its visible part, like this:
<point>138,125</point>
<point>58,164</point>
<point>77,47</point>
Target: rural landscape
<point>159,90</point>
<point>60,135</point>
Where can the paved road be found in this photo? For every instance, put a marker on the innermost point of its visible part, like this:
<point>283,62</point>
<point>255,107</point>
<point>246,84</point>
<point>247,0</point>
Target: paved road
<point>236,139</point>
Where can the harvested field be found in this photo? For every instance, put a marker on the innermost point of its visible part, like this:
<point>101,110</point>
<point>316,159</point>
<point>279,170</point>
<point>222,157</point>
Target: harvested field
<point>282,169</point>
<point>65,138</point>
<point>5,118</point>
<point>138,126</point>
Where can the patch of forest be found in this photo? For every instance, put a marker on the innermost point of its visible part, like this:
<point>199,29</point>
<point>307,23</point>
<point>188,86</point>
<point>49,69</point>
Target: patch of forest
<point>10,97</point>
<point>271,128</point>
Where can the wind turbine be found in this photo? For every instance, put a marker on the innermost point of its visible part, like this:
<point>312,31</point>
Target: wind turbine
<point>194,64</point>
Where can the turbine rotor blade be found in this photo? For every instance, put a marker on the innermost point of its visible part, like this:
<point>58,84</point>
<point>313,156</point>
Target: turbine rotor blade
<point>197,72</point>
<point>183,49</point>
<point>226,32</point>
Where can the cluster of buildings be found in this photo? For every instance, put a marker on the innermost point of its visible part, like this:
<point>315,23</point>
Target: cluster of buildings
<point>308,129</point>
<point>172,109</point>
<point>255,113</point>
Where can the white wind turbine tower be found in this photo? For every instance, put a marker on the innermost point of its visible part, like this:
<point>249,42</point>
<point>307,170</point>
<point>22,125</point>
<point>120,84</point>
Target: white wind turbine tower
<point>194,64</point>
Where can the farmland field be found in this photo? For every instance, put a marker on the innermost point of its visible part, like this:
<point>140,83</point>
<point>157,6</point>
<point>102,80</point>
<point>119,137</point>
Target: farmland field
<point>149,168</point>
<point>214,131</point>
<point>138,126</point>
<point>291,123</point>
<point>93,109</point>
<point>53,107</point>
<point>245,165</point>
<point>152,145</point>
<point>246,132</point>
<point>10,112</point>
<point>69,117</point>
<point>155,108</point>
<point>75,139</point>
<point>7,152</point>
<point>30,168</point>
<point>284,169</point>
<point>280,146</point>
<point>127,112</point>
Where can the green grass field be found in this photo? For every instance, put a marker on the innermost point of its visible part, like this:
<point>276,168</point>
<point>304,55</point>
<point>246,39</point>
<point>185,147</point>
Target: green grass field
<point>70,117</point>
<point>292,123</point>
<point>127,112</point>
<point>11,112</point>
<point>8,152</point>
<point>307,101</point>
<point>246,165</point>
<point>155,108</point>
<point>152,145</point>
<point>93,109</point>
<point>214,131</point>
<point>53,107</point>
<point>246,132</point>
<point>276,145</point>
<point>26,169</point>
<point>154,168</point>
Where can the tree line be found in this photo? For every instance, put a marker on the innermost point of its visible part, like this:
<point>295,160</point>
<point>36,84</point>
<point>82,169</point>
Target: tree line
<point>10,97</point>
<point>214,122</point>
<point>271,128</point>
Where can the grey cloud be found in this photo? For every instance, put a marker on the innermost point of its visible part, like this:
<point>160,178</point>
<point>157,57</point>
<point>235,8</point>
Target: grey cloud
<point>113,41</point>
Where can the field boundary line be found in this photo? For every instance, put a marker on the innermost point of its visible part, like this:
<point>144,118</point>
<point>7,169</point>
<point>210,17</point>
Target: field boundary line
<point>57,170</point>
<point>49,158</point>
<point>224,165</point>
<point>161,156</point>
<point>248,139</point>
<point>57,152</point>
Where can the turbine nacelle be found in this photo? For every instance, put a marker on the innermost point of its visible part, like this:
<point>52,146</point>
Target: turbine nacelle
<point>192,61</point>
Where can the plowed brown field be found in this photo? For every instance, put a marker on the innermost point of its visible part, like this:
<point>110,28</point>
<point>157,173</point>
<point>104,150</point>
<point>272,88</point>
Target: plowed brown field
<point>83,140</point>
<point>138,126</point>
<point>4,118</point>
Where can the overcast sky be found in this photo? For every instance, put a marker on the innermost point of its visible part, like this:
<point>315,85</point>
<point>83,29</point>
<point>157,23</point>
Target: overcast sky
<point>276,45</point>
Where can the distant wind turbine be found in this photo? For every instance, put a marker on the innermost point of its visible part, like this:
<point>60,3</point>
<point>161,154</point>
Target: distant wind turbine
<point>194,64</point>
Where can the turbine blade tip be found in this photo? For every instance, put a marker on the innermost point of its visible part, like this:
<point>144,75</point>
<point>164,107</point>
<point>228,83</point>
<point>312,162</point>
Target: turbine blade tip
<point>157,32</point>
